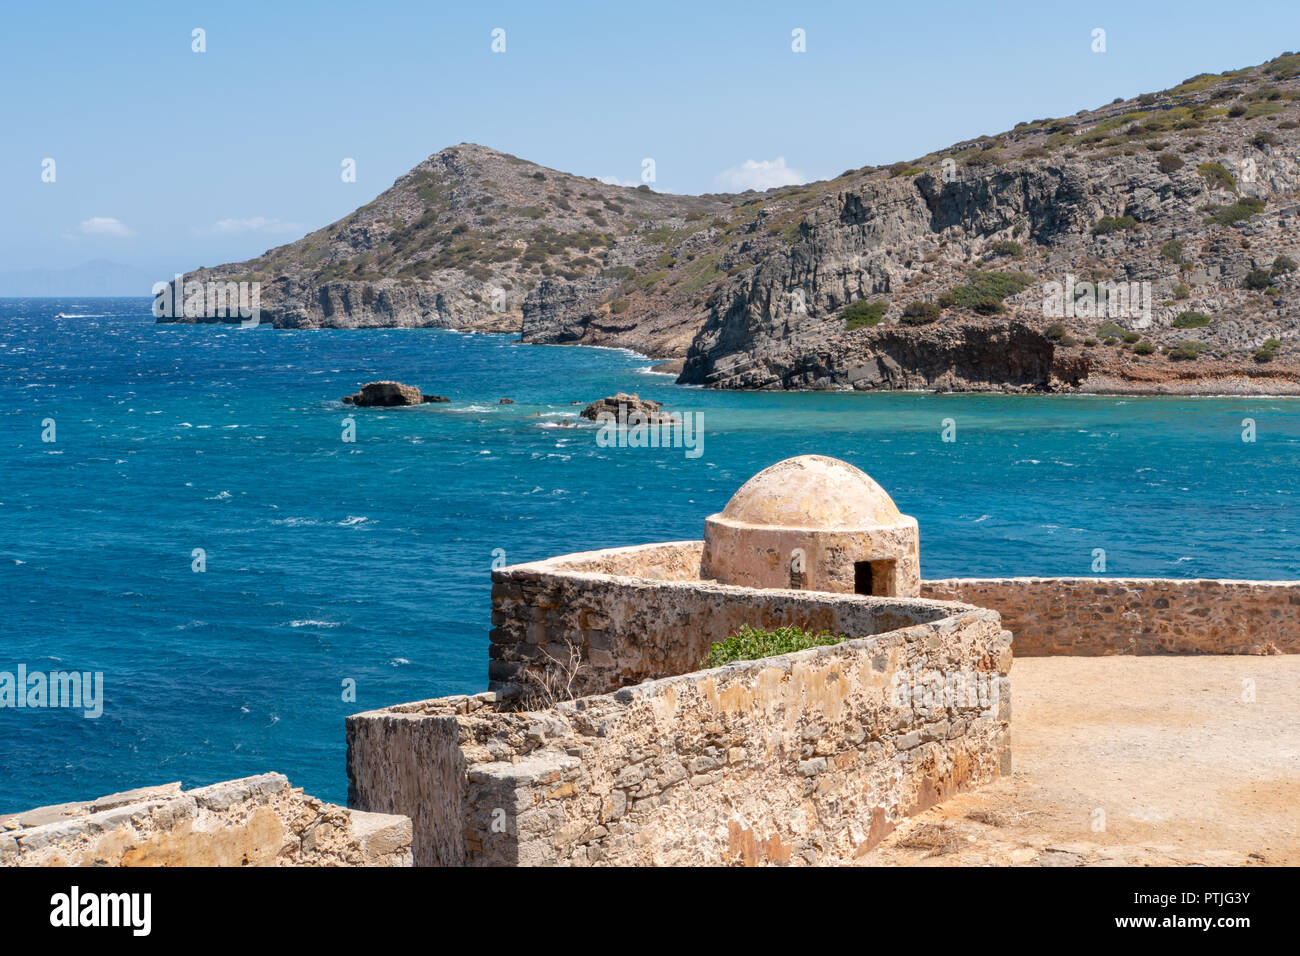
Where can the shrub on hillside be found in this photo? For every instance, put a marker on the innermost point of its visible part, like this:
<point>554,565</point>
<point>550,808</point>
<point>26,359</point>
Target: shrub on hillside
<point>1169,163</point>
<point>1217,176</point>
<point>1109,224</point>
<point>1186,351</point>
<point>920,313</point>
<point>863,314</point>
<point>1191,320</point>
<point>983,292</point>
<point>1240,210</point>
<point>1257,280</point>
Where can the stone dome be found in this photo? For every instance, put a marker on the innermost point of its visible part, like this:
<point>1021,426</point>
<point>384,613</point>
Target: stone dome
<point>815,492</point>
<point>814,523</point>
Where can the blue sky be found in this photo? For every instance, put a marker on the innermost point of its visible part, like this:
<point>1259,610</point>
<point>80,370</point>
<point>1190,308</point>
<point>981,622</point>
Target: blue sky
<point>167,159</point>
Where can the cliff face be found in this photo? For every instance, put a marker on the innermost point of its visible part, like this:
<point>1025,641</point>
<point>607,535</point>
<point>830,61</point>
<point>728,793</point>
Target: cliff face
<point>1145,245</point>
<point>914,239</point>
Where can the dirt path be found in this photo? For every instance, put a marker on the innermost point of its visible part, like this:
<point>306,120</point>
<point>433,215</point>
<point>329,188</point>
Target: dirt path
<point>1132,760</point>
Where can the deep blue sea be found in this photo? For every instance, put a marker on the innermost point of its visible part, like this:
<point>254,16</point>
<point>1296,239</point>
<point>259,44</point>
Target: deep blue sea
<point>329,560</point>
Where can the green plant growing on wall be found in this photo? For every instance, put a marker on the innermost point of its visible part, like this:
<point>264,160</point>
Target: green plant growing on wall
<point>751,643</point>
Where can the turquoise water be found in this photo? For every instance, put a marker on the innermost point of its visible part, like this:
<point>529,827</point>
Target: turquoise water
<point>329,560</point>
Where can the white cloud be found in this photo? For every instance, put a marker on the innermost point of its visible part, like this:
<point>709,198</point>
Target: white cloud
<point>255,224</point>
<point>760,174</point>
<point>101,226</point>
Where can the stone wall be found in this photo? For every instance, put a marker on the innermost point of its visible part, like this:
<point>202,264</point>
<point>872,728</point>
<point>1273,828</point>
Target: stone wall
<point>612,618</point>
<point>1096,616</point>
<point>256,821</point>
<point>802,758</point>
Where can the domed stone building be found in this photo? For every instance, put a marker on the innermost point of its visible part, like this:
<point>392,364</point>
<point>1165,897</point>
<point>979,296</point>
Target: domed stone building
<point>814,523</point>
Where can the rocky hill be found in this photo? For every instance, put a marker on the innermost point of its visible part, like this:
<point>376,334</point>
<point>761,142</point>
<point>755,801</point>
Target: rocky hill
<point>1148,245</point>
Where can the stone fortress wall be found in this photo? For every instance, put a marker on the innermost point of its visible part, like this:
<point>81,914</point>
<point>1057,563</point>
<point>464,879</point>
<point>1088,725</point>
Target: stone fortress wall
<point>808,757</point>
<point>1099,616</point>
<point>639,613</point>
<point>256,821</point>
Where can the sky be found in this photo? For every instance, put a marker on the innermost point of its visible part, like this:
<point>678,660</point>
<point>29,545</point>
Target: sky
<point>166,159</point>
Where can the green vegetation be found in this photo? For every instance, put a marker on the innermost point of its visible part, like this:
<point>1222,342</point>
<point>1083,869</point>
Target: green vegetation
<point>1186,351</point>
<point>701,272</point>
<point>1217,176</point>
<point>1182,290</point>
<point>1143,348</point>
<point>1131,337</point>
<point>622,273</point>
<point>751,643</point>
<point>1109,330</point>
<point>984,291</point>
<point>1173,251</point>
<point>648,281</point>
<point>920,313</point>
<point>982,157</point>
<point>1191,320</point>
<point>1241,209</point>
<point>1283,264</point>
<point>1169,163</point>
<point>863,314</point>
<point>1109,224</point>
<point>904,169</point>
<point>1257,280</point>
<point>1058,334</point>
<point>1263,109</point>
<point>1267,352</point>
<point>1007,247</point>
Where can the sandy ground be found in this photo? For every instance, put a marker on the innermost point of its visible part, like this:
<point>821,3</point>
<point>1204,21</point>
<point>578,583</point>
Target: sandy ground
<point>1131,761</point>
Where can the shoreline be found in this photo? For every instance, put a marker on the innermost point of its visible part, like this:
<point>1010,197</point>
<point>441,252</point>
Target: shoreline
<point>1104,386</point>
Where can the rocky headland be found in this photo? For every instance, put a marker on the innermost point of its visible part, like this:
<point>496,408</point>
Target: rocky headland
<point>1147,246</point>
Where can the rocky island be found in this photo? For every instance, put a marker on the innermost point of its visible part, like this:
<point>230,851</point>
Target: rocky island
<point>1148,245</point>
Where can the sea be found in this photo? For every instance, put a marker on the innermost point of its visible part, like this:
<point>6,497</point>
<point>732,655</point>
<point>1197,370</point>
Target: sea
<point>192,512</point>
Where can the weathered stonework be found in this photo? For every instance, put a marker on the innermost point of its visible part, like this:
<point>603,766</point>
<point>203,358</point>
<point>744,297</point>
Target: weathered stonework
<point>801,758</point>
<point>256,821</point>
<point>638,613</point>
<point>1097,616</point>
<point>817,523</point>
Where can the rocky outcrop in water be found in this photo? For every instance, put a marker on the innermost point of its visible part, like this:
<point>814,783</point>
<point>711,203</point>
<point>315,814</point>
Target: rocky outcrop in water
<point>388,395</point>
<point>624,407</point>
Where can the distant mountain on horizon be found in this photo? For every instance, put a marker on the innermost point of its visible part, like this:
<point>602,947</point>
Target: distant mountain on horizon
<point>98,277</point>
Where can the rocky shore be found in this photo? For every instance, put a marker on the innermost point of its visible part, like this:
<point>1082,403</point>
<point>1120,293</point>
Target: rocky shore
<point>1146,246</point>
